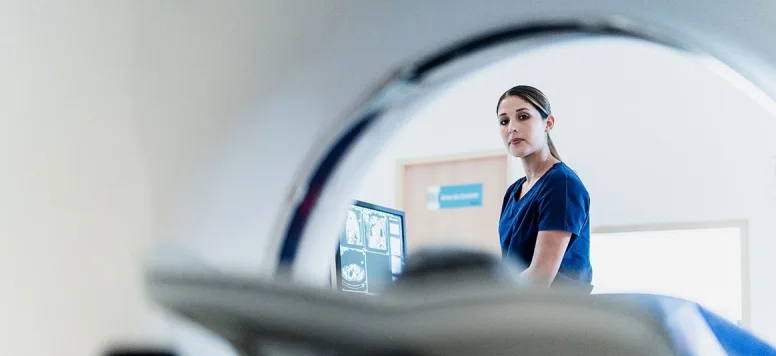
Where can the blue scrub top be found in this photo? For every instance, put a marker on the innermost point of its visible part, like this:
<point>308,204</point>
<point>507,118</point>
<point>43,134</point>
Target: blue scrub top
<point>558,201</point>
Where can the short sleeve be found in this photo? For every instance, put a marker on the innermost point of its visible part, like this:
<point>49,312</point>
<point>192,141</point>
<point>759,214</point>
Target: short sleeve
<point>563,204</point>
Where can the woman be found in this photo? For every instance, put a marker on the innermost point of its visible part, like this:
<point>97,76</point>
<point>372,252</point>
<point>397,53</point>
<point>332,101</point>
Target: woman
<point>544,221</point>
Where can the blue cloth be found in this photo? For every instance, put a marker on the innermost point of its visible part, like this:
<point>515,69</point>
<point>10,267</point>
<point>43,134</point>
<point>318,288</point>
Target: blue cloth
<point>735,340</point>
<point>690,325</point>
<point>558,201</point>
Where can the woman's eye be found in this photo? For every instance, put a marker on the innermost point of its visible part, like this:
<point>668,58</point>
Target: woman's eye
<point>523,117</point>
<point>504,122</point>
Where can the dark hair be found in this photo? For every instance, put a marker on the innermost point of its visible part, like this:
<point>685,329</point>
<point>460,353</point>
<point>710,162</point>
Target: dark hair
<point>539,101</point>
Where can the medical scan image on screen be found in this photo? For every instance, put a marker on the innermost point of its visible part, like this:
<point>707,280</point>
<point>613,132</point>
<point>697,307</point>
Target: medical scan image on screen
<point>376,236</point>
<point>371,252</point>
<point>353,235</point>
<point>354,273</point>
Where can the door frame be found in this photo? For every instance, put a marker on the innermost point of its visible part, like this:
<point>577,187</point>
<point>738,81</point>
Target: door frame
<point>402,163</point>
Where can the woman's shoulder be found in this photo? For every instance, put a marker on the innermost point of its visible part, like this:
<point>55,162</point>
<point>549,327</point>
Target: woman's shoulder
<point>563,175</point>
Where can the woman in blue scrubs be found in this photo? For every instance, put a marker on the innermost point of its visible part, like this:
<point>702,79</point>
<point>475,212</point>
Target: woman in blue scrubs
<point>545,222</point>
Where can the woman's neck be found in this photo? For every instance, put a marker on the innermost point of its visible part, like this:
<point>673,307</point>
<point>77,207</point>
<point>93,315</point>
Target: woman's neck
<point>537,163</point>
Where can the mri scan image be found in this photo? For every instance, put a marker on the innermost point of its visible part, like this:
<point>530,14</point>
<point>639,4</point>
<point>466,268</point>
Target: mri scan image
<point>376,233</point>
<point>353,270</point>
<point>353,235</point>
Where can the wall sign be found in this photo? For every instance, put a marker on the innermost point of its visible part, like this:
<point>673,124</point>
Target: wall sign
<point>454,196</point>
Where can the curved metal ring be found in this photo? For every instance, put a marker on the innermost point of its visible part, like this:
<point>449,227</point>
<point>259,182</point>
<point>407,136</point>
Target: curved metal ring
<point>414,75</point>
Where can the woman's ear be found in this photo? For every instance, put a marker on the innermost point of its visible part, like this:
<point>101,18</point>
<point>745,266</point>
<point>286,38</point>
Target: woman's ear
<point>549,123</point>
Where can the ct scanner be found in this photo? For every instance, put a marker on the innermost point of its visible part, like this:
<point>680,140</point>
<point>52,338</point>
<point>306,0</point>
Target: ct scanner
<point>346,75</point>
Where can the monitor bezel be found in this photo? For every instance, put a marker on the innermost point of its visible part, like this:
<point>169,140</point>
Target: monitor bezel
<point>336,276</point>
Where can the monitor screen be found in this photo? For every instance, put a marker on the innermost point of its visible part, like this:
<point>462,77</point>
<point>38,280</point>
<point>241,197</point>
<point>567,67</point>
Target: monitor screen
<point>371,248</point>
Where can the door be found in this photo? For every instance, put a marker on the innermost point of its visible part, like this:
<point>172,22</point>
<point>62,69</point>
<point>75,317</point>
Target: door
<point>442,205</point>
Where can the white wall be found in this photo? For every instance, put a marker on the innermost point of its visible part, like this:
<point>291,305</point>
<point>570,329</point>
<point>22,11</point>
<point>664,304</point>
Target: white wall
<point>656,138</point>
<point>74,190</point>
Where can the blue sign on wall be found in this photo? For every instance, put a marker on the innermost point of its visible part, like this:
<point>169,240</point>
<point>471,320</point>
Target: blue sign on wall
<point>454,196</point>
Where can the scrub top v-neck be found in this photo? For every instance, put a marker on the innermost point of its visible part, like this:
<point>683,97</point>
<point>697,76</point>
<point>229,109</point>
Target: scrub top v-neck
<point>557,201</point>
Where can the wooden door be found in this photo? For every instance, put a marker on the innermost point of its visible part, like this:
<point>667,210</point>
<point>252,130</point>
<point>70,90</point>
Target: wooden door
<point>474,225</point>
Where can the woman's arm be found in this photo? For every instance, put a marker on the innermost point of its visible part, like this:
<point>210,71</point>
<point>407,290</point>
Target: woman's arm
<point>548,254</point>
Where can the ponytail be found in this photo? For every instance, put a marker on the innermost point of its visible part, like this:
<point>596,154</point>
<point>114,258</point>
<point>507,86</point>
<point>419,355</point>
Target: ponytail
<point>553,150</point>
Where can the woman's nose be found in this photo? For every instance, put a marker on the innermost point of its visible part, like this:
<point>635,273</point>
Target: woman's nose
<point>512,127</point>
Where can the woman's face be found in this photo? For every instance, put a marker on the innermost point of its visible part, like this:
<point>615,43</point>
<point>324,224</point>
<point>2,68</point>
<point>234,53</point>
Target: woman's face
<point>522,127</point>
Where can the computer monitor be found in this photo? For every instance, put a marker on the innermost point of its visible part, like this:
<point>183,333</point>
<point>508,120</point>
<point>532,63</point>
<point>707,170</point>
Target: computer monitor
<point>371,249</point>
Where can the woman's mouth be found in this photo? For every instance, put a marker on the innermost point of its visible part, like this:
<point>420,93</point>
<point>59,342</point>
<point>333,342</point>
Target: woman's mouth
<point>516,141</point>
